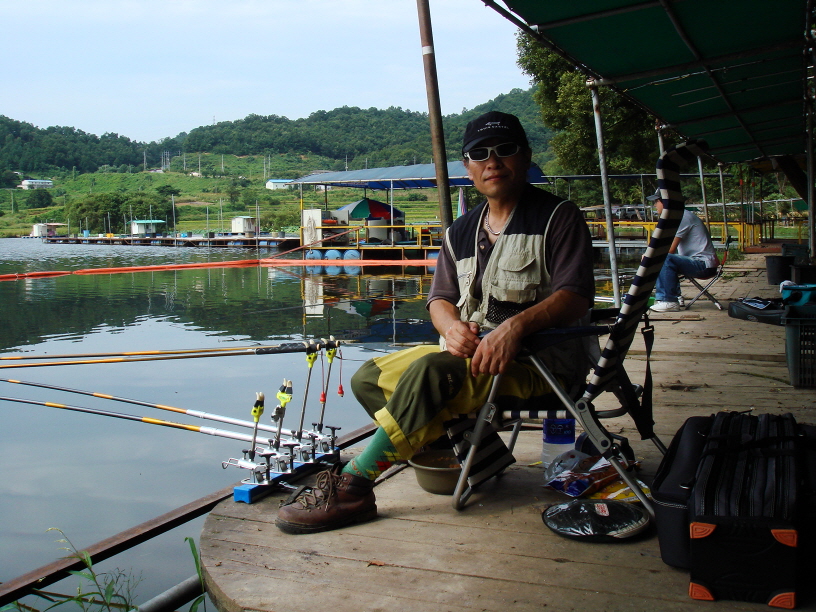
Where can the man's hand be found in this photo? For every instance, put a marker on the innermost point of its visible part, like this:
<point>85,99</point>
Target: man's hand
<point>496,350</point>
<point>462,339</point>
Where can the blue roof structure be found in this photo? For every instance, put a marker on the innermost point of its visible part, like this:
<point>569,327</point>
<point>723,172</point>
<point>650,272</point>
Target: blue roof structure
<point>402,177</point>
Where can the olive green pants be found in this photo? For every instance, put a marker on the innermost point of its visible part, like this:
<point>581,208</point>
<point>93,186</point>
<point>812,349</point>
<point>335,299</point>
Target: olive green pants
<point>411,393</point>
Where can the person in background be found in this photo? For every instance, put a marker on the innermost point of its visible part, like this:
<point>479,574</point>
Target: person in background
<point>691,254</point>
<point>519,262</point>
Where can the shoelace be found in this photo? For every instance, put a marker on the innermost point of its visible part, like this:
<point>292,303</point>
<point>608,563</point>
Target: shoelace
<point>324,489</point>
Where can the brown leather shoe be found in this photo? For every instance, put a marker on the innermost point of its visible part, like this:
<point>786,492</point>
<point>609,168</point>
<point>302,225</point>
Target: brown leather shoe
<point>336,500</point>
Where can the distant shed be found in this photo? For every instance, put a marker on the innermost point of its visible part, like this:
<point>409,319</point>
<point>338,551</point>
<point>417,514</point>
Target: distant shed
<point>278,183</point>
<point>145,226</point>
<point>244,225</point>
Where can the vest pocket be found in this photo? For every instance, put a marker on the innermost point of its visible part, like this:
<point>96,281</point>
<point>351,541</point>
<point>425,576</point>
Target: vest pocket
<point>516,279</point>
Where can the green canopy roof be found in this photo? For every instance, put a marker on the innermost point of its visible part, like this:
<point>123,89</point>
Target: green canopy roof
<point>730,71</point>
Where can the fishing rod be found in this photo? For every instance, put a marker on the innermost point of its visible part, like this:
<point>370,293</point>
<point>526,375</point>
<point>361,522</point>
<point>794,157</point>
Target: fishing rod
<point>132,353</point>
<point>193,413</point>
<point>272,461</point>
<point>330,353</point>
<point>211,431</point>
<point>294,347</point>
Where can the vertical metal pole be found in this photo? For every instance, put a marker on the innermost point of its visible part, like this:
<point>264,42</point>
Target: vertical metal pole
<point>435,113</point>
<point>810,179</point>
<point>724,236</point>
<point>702,187</point>
<point>660,144</point>
<point>391,202</point>
<point>610,225</point>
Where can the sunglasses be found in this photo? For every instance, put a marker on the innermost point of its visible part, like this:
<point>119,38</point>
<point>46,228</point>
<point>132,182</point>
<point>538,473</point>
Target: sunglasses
<point>480,154</point>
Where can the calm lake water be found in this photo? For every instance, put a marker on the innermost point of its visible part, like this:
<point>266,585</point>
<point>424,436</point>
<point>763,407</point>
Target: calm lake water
<point>94,476</point>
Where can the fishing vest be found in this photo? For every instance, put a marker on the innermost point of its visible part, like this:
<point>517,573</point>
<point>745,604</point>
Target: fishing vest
<point>515,277</point>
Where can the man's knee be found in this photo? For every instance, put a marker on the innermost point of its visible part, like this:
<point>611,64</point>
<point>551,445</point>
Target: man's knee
<point>365,387</point>
<point>440,371</point>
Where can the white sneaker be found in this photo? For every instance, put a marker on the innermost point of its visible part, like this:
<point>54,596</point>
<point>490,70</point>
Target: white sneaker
<point>665,307</point>
<point>681,301</point>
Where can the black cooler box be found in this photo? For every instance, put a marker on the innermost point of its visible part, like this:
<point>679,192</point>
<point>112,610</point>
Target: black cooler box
<point>733,500</point>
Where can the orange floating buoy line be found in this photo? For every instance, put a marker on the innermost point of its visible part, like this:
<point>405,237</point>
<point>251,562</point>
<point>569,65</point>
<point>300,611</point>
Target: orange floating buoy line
<point>275,455</point>
<point>241,263</point>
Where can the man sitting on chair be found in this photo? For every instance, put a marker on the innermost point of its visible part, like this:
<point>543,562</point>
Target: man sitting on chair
<point>519,262</point>
<point>691,254</point>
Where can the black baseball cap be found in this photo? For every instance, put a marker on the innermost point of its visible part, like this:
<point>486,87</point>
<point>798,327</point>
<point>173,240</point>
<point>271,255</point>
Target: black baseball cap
<point>494,124</point>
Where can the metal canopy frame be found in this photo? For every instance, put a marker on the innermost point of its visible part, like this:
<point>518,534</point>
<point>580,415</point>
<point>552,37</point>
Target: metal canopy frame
<point>732,72</point>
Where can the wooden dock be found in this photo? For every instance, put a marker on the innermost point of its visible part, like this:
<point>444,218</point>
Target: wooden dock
<point>219,241</point>
<point>497,554</point>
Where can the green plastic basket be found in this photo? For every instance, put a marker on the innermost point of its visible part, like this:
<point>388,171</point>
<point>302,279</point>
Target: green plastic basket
<point>800,344</point>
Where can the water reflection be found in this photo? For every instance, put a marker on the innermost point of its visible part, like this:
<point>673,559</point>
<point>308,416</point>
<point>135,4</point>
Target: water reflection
<point>93,476</point>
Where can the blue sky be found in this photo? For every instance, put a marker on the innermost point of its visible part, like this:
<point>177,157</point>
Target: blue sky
<point>147,69</point>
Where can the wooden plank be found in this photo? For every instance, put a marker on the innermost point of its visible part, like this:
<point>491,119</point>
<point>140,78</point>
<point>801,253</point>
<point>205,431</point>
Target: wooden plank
<point>497,554</point>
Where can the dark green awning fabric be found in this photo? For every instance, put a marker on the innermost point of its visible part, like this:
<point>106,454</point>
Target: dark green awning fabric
<point>730,71</point>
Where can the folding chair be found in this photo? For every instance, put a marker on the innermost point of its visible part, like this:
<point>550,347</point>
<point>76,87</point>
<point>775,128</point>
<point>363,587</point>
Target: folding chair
<point>481,451</point>
<point>711,280</point>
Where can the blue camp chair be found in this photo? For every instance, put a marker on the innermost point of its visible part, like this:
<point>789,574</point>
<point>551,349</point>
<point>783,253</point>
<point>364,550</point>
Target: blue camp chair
<point>481,451</point>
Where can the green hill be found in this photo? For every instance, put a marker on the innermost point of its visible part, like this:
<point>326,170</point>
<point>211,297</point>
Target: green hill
<point>333,140</point>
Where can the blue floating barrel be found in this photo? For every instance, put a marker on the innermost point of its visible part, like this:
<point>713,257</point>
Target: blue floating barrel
<point>333,254</point>
<point>314,254</point>
<point>351,254</point>
<point>333,270</point>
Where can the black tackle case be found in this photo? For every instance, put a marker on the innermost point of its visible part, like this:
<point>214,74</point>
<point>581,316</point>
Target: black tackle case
<point>733,503</point>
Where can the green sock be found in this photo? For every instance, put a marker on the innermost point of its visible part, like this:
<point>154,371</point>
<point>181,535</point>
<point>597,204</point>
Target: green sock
<point>378,456</point>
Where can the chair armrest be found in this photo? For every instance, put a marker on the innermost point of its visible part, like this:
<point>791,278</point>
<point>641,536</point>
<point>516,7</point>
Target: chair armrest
<point>550,337</point>
<point>603,314</point>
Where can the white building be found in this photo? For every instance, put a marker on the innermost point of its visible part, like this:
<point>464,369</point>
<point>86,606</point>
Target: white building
<point>145,226</point>
<point>244,225</point>
<point>37,184</point>
<point>41,230</point>
<point>278,183</point>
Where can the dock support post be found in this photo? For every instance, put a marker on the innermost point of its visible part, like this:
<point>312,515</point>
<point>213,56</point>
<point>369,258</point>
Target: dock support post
<point>435,114</point>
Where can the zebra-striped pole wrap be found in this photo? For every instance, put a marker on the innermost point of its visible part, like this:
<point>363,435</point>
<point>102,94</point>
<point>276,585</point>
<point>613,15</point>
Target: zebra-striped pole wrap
<point>636,301</point>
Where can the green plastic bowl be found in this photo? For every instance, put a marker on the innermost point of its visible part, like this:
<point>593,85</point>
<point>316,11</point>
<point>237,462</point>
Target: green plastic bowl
<point>437,471</point>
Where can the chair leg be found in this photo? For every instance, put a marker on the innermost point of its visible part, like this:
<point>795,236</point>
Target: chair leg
<point>597,434</point>
<point>514,435</point>
<point>704,292</point>
<point>462,491</point>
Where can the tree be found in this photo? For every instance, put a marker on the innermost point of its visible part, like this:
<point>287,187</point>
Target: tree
<point>168,190</point>
<point>94,210</point>
<point>39,198</point>
<point>8,179</point>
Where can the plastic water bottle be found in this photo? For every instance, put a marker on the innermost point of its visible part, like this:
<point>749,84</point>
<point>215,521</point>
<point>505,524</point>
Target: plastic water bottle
<point>558,437</point>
